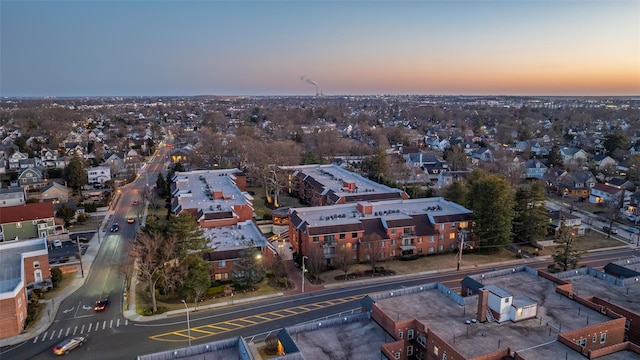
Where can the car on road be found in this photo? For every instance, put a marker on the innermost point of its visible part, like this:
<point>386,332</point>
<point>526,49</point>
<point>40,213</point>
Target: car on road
<point>135,202</point>
<point>69,344</point>
<point>57,244</point>
<point>606,229</point>
<point>101,303</point>
<point>115,227</point>
<point>131,220</point>
<point>633,230</point>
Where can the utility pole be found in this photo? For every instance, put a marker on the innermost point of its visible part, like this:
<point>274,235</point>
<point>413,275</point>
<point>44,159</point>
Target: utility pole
<point>80,256</point>
<point>462,233</point>
<point>303,271</point>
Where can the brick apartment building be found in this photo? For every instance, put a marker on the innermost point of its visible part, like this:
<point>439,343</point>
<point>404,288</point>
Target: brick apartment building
<point>384,229</point>
<point>212,197</point>
<point>320,185</point>
<point>24,264</point>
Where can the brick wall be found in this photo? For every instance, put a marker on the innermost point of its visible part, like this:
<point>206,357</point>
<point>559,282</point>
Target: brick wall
<point>613,349</point>
<point>496,355</point>
<point>483,300</point>
<point>436,347</point>
<point>633,333</point>
<point>29,268</point>
<point>10,315</point>
<point>391,348</point>
<point>613,330</point>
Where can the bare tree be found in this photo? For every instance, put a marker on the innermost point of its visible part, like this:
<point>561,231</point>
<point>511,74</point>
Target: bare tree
<point>147,249</point>
<point>315,262</point>
<point>343,259</point>
<point>373,249</point>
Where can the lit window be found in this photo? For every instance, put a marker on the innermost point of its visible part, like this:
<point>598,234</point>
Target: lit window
<point>436,350</point>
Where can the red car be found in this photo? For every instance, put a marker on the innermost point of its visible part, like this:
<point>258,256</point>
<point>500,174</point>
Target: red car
<point>101,303</point>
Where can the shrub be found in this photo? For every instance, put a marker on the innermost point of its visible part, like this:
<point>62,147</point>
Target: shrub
<point>268,273</point>
<point>379,269</point>
<point>56,277</point>
<point>214,291</point>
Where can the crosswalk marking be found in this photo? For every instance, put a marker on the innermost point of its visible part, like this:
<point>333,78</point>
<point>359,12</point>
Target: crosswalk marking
<point>80,329</point>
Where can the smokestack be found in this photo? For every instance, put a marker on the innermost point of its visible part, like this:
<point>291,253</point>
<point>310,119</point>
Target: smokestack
<point>304,78</point>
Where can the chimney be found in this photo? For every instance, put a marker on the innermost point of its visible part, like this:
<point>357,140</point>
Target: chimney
<point>483,300</point>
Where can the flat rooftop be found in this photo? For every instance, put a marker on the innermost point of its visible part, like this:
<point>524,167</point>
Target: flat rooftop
<point>360,340</point>
<point>11,260</point>
<point>234,237</point>
<point>333,177</point>
<point>388,210</point>
<point>197,190</point>
<point>557,350</point>
<point>448,319</point>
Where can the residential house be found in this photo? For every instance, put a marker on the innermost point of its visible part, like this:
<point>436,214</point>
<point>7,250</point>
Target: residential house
<point>180,156</point>
<point>132,156</point>
<point>28,221</point>
<point>32,178</point>
<point>534,169</point>
<point>574,156</point>
<point>604,162</point>
<point>560,218</point>
<point>25,264</point>
<point>98,175</point>
<point>448,177</point>
<point>610,196</point>
<point>54,192</point>
<point>15,159</point>
<point>13,196</point>
<point>621,183</point>
<point>482,155</point>
<point>49,159</point>
<point>576,183</point>
<point>115,161</point>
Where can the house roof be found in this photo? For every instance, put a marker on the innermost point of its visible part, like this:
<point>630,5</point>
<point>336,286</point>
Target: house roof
<point>26,212</point>
<point>606,188</point>
<point>620,271</point>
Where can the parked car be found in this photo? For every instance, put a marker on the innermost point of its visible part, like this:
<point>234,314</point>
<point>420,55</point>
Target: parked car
<point>57,244</point>
<point>69,344</point>
<point>101,303</point>
<point>606,229</point>
<point>633,230</point>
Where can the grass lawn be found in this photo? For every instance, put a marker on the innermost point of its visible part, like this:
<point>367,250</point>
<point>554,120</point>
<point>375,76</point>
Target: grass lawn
<point>260,202</point>
<point>143,299</point>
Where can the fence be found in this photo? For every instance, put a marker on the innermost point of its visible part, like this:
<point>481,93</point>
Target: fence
<point>234,343</point>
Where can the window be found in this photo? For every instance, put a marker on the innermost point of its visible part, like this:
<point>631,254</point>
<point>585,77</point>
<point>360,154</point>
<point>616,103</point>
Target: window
<point>452,236</point>
<point>222,263</point>
<point>419,240</point>
<point>343,236</point>
<point>329,238</point>
<point>432,239</point>
<point>393,231</point>
<point>397,355</point>
<point>441,226</point>
<point>354,246</point>
<point>342,246</point>
<point>19,302</point>
<point>42,226</point>
<point>603,338</point>
<point>36,264</point>
<point>400,334</point>
<point>444,356</point>
<point>627,324</point>
<point>440,247</point>
<point>436,351</point>
<point>410,350</point>
<point>431,250</point>
<point>393,242</point>
<point>18,225</point>
<point>595,338</point>
<point>422,340</point>
<point>582,342</point>
<point>316,239</point>
<point>393,253</point>
<point>21,316</point>
<point>506,300</point>
<point>419,250</point>
<point>381,244</point>
<point>453,225</point>
<point>354,235</point>
<point>410,334</point>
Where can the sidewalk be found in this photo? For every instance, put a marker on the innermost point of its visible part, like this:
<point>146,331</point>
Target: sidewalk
<point>52,305</point>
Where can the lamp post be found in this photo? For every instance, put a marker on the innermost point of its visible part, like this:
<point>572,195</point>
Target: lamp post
<point>188,326</point>
<point>80,256</point>
<point>303,271</point>
<point>463,234</point>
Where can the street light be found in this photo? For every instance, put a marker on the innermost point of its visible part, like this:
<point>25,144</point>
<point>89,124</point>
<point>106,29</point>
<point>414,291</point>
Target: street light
<point>188,326</point>
<point>303,271</point>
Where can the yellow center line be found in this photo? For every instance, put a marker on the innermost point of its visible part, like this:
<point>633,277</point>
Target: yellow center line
<point>235,324</point>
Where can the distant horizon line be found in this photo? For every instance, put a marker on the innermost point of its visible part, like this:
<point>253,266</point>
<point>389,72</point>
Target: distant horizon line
<point>315,96</point>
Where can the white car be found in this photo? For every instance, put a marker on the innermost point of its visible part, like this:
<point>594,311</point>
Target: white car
<point>633,230</point>
<point>57,244</point>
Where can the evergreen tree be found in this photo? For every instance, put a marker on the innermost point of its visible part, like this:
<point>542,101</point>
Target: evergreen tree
<point>457,192</point>
<point>74,174</point>
<point>185,228</point>
<point>531,219</point>
<point>554,158</point>
<point>248,270</point>
<point>198,279</point>
<point>66,214</point>
<point>566,256</point>
<point>161,186</point>
<point>492,206</point>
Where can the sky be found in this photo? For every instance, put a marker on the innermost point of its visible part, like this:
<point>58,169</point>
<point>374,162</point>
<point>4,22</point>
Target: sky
<point>183,48</point>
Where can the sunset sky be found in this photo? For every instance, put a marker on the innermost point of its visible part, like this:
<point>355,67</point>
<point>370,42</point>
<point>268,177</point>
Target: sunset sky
<point>164,48</point>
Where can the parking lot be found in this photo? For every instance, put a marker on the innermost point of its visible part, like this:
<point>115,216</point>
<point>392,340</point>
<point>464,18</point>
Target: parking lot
<point>67,252</point>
